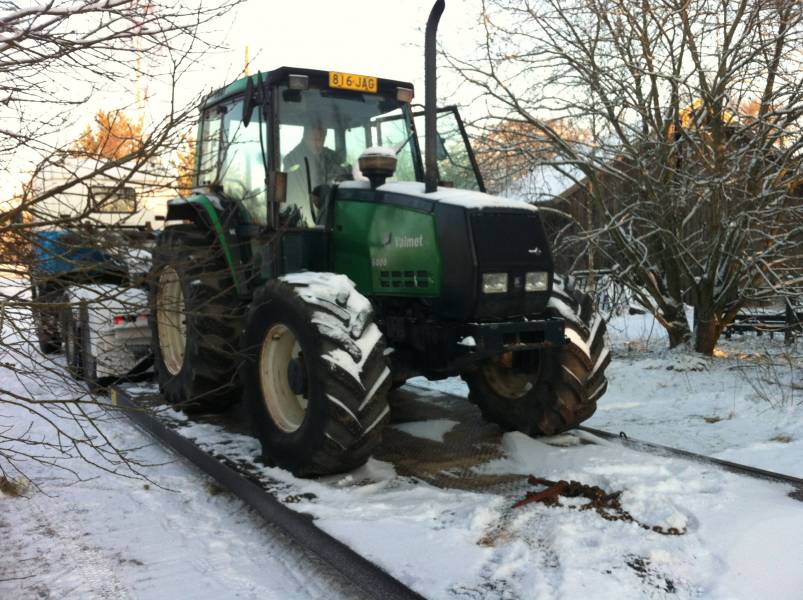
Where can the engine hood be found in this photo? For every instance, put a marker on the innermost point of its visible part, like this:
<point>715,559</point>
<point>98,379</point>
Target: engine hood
<point>468,199</point>
<point>475,233</point>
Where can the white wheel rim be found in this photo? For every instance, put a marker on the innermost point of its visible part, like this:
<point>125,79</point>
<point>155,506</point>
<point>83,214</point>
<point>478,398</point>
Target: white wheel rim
<point>286,408</point>
<point>171,320</point>
<point>509,382</point>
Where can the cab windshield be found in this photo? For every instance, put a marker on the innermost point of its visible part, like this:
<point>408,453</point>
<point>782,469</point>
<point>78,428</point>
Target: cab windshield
<point>322,133</point>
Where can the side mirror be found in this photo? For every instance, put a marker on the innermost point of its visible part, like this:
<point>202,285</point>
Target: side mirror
<point>248,103</point>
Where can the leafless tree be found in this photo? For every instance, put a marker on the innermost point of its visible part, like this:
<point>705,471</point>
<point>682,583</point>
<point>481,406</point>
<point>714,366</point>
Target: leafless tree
<point>56,58</point>
<point>688,166</point>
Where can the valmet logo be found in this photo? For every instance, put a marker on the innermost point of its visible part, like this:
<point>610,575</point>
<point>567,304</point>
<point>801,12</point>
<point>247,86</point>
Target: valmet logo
<point>407,241</point>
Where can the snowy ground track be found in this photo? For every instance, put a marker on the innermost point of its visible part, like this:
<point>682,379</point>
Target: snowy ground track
<point>728,465</point>
<point>375,582</point>
<point>444,483</point>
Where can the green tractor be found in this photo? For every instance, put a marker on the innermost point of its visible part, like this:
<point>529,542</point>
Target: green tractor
<point>324,257</point>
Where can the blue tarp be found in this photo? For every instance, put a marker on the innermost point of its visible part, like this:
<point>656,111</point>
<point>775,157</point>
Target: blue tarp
<point>56,253</point>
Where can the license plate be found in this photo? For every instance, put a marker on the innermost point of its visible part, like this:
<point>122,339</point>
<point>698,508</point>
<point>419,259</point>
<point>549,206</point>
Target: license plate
<point>347,81</point>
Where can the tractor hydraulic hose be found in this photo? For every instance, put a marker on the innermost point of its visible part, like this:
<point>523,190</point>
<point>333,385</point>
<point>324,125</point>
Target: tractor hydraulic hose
<point>431,97</point>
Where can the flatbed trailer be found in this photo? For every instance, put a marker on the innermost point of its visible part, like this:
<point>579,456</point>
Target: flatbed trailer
<point>90,298</point>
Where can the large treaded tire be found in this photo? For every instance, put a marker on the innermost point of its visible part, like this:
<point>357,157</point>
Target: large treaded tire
<point>565,383</point>
<point>346,375</point>
<point>207,380</point>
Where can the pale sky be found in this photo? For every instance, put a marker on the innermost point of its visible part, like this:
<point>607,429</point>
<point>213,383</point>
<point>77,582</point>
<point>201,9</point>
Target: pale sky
<point>373,37</point>
<point>383,38</point>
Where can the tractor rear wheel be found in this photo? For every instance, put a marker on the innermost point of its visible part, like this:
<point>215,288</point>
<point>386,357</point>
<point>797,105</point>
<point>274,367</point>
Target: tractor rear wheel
<point>544,392</point>
<point>195,322</point>
<point>315,378</point>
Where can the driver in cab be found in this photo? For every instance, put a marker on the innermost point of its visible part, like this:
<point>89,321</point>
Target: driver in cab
<point>308,166</point>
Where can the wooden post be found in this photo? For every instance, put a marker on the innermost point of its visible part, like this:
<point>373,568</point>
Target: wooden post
<point>791,324</point>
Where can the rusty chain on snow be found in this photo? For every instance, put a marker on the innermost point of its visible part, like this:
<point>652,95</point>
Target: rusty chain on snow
<point>607,506</point>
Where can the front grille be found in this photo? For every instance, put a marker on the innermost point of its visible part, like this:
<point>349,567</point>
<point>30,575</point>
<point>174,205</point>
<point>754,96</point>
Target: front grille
<point>405,279</point>
<point>512,243</point>
<point>507,239</point>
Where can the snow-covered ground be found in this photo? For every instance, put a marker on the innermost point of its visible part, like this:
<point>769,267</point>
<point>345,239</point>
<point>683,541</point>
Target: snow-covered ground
<point>83,533</point>
<point>729,406</point>
<point>113,537</point>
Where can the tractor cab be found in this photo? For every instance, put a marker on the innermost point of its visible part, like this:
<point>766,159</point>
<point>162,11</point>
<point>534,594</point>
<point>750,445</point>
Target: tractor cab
<point>285,137</point>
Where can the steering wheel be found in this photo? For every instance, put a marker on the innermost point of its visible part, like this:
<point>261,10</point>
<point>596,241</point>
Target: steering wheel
<point>290,216</point>
<point>321,192</point>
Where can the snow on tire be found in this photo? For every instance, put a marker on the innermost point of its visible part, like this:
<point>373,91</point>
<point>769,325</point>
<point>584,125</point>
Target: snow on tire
<point>548,391</point>
<point>315,378</point>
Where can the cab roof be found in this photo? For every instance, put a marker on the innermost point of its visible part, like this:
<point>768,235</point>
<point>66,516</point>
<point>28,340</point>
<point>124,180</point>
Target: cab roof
<point>318,79</point>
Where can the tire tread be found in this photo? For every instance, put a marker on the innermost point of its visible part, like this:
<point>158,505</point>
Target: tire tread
<point>571,380</point>
<point>350,430</point>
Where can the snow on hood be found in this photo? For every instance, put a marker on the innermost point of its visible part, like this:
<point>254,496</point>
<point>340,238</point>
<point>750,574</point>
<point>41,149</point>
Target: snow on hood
<point>446,195</point>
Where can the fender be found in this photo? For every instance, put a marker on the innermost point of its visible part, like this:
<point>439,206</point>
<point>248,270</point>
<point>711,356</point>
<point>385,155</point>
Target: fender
<point>205,210</point>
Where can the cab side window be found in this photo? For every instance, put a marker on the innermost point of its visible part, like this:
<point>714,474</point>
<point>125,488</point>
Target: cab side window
<point>209,146</point>
<point>242,169</point>
<point>454,162</point>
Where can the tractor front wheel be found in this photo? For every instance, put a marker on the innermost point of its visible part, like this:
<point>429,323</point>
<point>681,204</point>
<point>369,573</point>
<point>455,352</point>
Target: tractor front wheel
<point>315,378</point>
<point>544,392</point>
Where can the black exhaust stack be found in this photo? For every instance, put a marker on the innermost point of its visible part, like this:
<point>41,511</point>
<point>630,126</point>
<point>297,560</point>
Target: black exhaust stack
<point>431,98</point>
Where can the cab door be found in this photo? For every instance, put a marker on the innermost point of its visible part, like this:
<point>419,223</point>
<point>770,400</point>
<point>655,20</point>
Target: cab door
<point>457,166</point>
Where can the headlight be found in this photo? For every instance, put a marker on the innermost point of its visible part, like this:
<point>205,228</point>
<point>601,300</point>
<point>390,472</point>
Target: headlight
<point>494,283</point>
<point>537,281</point>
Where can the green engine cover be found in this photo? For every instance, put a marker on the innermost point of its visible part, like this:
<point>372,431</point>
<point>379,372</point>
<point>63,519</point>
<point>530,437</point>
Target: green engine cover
<point>387,250</point>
